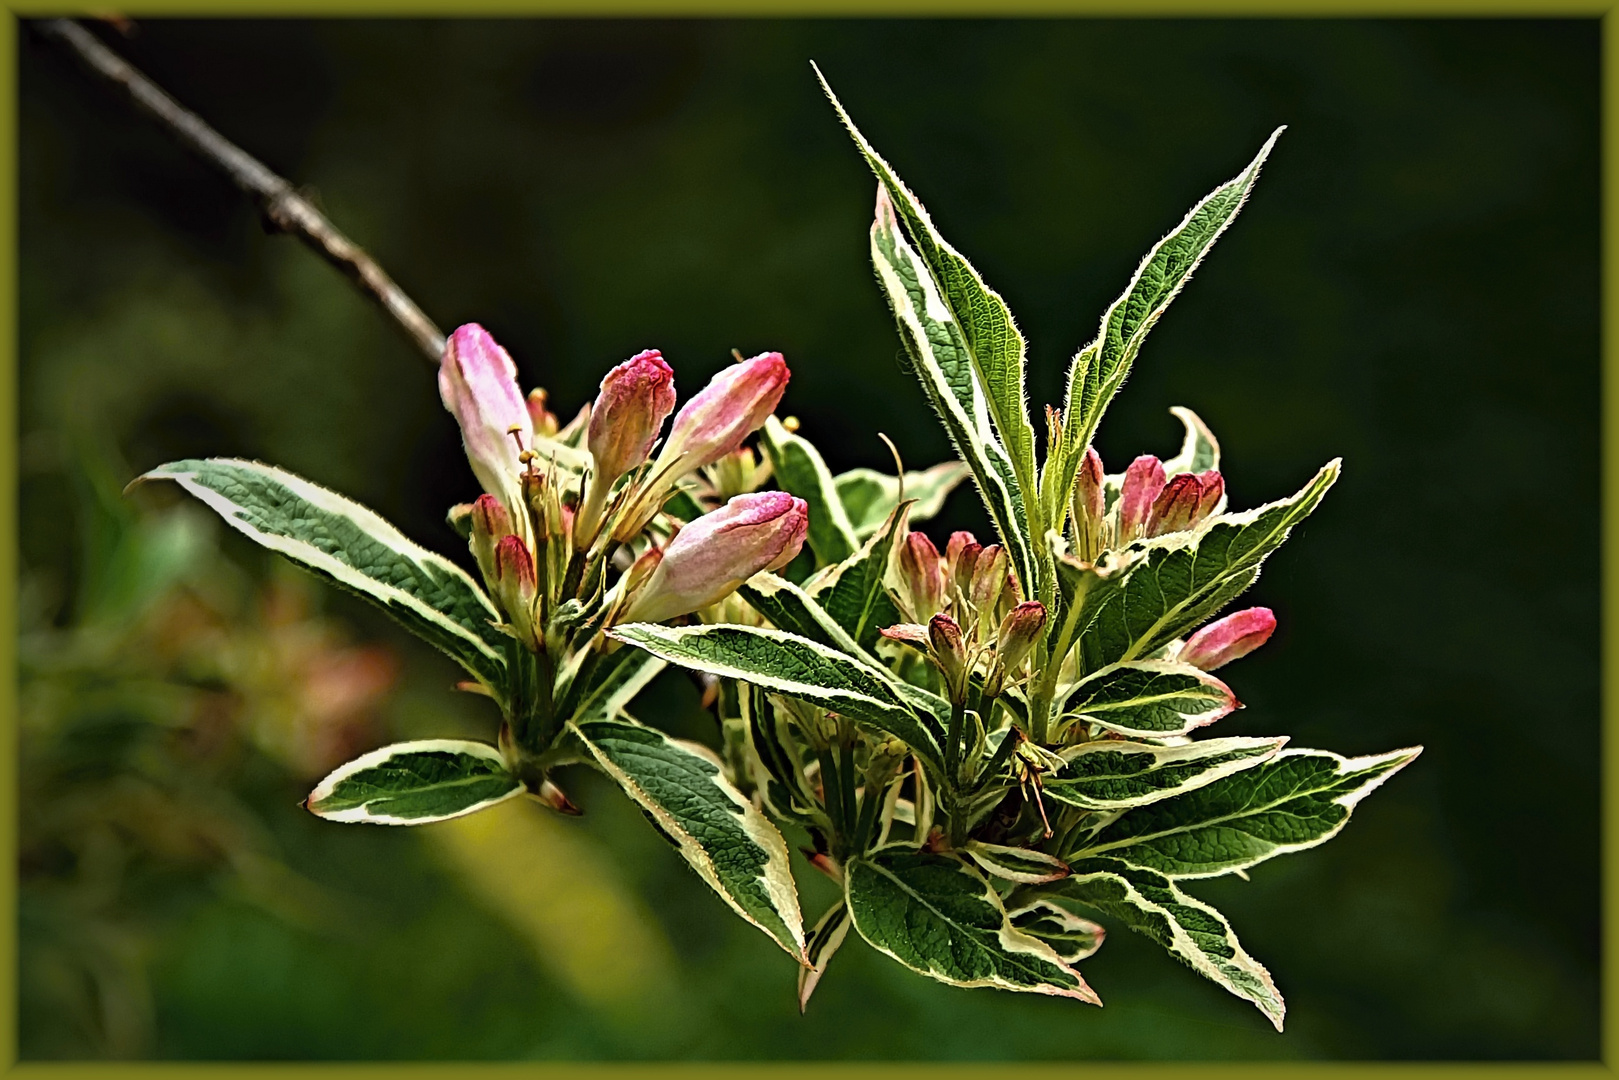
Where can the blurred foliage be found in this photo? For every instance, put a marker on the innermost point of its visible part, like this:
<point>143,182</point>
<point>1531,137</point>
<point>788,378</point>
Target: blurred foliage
<point>1414,287</point>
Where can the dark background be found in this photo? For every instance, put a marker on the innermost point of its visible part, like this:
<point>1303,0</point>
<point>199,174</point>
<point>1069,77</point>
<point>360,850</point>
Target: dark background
<point>1413,287</point>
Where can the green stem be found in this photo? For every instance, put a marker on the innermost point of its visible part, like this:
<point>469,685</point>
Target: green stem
<point>952,743</point>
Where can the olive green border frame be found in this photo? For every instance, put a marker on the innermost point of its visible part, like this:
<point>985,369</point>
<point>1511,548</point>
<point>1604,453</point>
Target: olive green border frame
<point>1605,10</point>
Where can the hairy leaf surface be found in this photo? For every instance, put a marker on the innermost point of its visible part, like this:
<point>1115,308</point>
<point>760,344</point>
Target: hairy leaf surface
<point>731,845</point>
<point>415,783</point>
<point>1151,698</point>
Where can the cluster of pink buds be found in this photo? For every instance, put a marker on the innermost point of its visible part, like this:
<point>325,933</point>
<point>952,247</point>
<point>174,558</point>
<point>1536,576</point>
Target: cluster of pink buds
<point>1149,504</point>
<point>967,611</point>
<point>542,538</point>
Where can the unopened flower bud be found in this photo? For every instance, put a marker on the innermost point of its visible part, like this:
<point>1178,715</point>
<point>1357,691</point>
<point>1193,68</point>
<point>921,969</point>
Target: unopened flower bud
<point>477,382</point>
<point>1019,631</point>
<point>1223,641</point>
<point>949,651</point>
<point>1090,505</point>
<point>1186,499</point>
<point>961,556</point>
<point>514,583</point>
<point>1143,480</point>
<point>909,632</point>
<point>732,406</point>
<point>923,574</point>
<point>709,558</point>
<point>989,576</point>
<point>489,524</point>
<point>635,399</point>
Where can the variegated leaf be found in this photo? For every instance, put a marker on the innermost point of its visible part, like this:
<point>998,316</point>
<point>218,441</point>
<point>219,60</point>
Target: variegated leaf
<point>415,783</point>
<point>823,941</point>
<point>939,917</point>
<point>1199,452</point>
<point>1295,800</point>
<point>1153,905</point>
<point>1113,774</point>
<point>943,365</point>
<point>731,845</point>
<point>991,338</point>
<point>869,496</point>
<point>353,547</point>
<point>1099,369</point>
<point>800,668</point>
<point>791,609</point>
<point>1151,698</point>
<point>1022,865</point>
<point>855,592</point>
<point>801,471</point>
<point>611,685</point>
<point>1073,938</point>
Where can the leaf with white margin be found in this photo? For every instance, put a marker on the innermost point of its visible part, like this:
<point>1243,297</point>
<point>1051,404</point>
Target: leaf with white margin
<point>1114,774</point>
<point>988,335</point>
<point>1153,905</point>
<point>855,592</point>
<point>790,608</point>
<point>823,941</point>
<point>1200,450</point>
<point>354,548</point>
<point>1099,369</point>
<point>1022,865</point>
<point>1167,586</point>
<point>415,783</point>
<point>1296,800</point>
<point>1074,938</point>
<point>1151,698</point>
<point>943,366</point>
<point>801,471</point>
<point>798,667</point>
<point>869,496</point>
<point>939,917</point>
<point>731,845</point>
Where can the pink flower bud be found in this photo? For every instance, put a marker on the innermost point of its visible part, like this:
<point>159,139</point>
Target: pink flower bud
<point>1223,641</point>
<point>636,397</point>
<point>923,573</point>
<point>1185,500</point>
<point>478,384</point>
<point>709,558</point>
<point>961,554</point>
<point>989,576</point>
<point>1090,505</point>
<point>490,524</point>
<point>909,632</point>
<point>1019,632</point>
<point>949,651</point>
<point>1143,480</point>
<point>732,406</point>
<point>514,584</point>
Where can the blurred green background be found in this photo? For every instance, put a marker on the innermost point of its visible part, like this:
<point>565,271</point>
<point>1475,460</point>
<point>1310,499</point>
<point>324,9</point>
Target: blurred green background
<point>1413,287</point>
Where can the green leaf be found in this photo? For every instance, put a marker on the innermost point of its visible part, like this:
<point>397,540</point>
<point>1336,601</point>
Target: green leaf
<point>991,338</point>
<point>342,541</point>
<point>1151,698</point>
<point>1116,775</point>
<point>939,917</point>
<point>855,592</point>
<point>800,668</point>
<point>1295,800</point>
<point>415,783</point>
<point>1072,938</point>
<point>731,845</point>
<point>824,940</point>
<point>869,496</point>
<point>1100,368</point>
<point>1167,586</point>
<point>1021,865</point>
<point>944,367</point>
<point>801,471</point>
<point>1199,452</point>
<point>1153,905</point>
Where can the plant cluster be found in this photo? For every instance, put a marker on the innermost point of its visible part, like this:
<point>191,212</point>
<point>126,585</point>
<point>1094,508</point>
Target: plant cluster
<point>987,746</point>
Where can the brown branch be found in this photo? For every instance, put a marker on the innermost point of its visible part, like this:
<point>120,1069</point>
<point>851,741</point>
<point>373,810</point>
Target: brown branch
<point>281,205</point>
